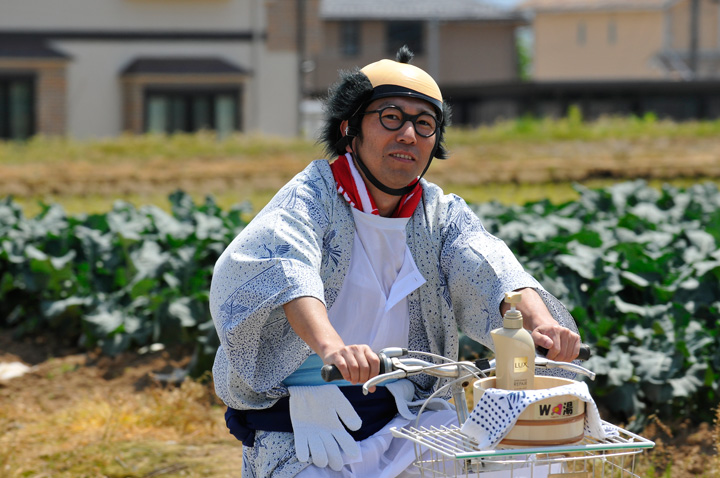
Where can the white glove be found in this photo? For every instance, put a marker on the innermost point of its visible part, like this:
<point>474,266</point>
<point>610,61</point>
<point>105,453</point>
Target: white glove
<point>404,391</point>
<point>315,413</point>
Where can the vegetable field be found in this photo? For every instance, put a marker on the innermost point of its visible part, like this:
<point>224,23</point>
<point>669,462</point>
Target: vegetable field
<point>640,271</point>
<point>639,268</point>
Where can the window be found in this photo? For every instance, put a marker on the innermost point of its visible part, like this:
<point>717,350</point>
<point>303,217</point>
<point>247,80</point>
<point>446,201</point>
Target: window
<point>189,111</point>
<point>16,108</point>
<point>612,32</point>
<point>404,33</point>
<point>350,38</point>
<point>581,33</point>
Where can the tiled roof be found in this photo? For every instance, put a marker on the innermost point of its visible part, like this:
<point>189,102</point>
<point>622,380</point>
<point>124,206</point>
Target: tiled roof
<point>414,10</point>
<point>182,66</point>
<point>589,5</point>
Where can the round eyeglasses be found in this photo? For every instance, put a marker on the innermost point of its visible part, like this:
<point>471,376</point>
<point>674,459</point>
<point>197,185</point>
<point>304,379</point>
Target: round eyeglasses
<point>392,118</point>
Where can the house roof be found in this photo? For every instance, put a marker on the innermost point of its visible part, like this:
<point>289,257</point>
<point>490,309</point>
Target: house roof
<point>24,48</point>
<point>590,5</point>
<point>446,10</point>
<point>182,65</point>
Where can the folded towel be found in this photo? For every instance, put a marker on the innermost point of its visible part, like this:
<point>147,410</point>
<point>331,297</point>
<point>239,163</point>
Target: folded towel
<point>497,411</point>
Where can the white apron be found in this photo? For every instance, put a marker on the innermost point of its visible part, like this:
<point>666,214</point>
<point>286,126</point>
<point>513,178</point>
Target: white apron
<point>372,308</point>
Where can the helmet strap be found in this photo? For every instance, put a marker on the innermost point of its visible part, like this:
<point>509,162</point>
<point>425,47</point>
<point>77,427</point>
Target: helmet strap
<point>376,182</point>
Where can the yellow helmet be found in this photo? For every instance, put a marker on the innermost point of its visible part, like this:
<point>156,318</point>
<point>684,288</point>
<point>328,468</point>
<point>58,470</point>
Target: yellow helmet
<point>393,78</point>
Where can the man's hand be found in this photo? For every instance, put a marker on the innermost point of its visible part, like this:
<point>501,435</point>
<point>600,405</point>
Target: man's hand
<point>308,318</point>
<point>357,363</point>
<point>563,344</point>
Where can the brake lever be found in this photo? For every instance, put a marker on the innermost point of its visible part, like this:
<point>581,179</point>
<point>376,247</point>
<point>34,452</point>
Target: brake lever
<point>378,379</point>
<point>400,370</point>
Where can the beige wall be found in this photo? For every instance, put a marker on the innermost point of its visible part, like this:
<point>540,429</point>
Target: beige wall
<point>211,15</point>
<point>329,60</point>
<point>680,25</point>
<point>473,53</point>
<point>559,55</point>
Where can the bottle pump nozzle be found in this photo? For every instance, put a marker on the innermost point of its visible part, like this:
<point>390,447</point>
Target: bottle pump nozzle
<point>513,319</point>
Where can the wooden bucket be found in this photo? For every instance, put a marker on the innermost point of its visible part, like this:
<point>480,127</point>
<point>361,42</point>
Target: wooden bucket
<point>552,421</point>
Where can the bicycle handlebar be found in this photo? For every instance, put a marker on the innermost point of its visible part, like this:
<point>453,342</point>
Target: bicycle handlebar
<point>407,366</point>
<point>584,354</point>
<point>330,372</point>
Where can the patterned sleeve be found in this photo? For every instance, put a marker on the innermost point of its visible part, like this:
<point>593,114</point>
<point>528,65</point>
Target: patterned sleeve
<point>479,268</point>
<point>275,259</point>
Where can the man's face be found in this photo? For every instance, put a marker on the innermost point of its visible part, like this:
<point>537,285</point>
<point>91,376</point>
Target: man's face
<point>395,158</point>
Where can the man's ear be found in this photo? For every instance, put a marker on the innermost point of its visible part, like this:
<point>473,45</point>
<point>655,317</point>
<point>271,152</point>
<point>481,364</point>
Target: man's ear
<point>346,133</point>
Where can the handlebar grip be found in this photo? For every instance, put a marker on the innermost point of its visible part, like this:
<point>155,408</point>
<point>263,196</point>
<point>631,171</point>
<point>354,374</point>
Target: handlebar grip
<point>585,351</point>
<point>330,373</point>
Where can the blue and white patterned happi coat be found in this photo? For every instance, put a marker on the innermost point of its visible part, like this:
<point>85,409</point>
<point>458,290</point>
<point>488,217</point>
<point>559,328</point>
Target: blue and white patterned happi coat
<point>299,245</point>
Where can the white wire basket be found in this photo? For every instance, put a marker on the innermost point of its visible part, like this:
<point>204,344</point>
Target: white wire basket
<point>446,452</point>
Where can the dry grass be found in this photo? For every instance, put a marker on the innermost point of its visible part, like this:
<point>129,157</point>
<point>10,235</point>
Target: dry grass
<point>160,432</point>
<point>512,162</point>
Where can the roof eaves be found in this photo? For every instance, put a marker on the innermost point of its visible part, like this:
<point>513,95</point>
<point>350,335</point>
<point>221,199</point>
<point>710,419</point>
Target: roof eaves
<point>565,6</point>
<point>447,10</point>
<point>29,49</point>
<point>182,65</point>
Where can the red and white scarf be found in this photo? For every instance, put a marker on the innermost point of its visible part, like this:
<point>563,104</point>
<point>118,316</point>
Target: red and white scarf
<point>352,187</point>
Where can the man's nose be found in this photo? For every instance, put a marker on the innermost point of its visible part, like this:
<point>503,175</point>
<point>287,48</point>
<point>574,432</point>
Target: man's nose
<point>407,132</point>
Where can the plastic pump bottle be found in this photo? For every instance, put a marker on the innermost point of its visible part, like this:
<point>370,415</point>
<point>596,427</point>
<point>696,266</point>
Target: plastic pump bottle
<point>514,350</point>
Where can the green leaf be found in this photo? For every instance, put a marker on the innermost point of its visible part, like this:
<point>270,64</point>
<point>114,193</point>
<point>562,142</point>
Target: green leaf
<point>690,382</point>
<point>172,281</point>
<point>105,322</point>
<point>143,287</point>
<point>72,306</point>
<point>149,259</point>
<point>180,309</point>
<point>634,279</point>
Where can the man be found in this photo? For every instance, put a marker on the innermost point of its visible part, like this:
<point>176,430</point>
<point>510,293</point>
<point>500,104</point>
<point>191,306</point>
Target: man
<point>349,258</point>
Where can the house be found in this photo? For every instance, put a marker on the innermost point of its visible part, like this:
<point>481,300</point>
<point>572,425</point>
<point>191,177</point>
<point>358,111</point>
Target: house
<point>618,57</point>
<point>625,39</point>
<point>96,68</point>
<point>459,42</point>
